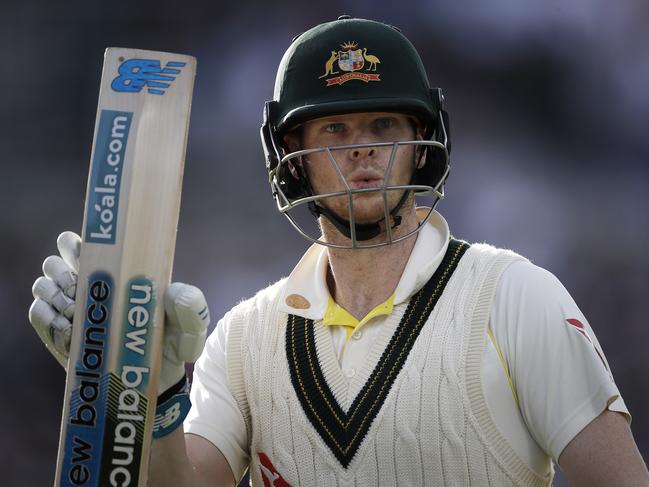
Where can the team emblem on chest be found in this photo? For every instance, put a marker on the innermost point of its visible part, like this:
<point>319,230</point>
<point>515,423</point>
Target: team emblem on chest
<point>350,59</point>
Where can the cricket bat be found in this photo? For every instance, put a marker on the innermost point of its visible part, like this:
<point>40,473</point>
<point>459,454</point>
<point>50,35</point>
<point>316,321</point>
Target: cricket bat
<point>128,241</point>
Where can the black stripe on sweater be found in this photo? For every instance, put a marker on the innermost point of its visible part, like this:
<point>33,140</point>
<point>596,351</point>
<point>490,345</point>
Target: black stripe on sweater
<point>343,432</point>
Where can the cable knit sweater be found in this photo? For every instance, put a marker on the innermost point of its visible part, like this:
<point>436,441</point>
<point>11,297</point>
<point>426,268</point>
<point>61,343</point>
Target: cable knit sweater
<point>427,425</point>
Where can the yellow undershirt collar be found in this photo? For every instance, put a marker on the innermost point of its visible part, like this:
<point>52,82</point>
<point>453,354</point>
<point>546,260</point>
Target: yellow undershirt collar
<point>337,315</point>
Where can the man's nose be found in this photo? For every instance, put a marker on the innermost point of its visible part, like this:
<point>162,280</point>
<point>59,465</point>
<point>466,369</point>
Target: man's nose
<point>360,153</point>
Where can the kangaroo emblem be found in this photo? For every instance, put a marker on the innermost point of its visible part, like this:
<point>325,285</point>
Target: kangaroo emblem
<point>329,66</point>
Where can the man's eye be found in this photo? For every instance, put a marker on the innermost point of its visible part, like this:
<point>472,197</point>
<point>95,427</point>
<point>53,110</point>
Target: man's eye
<point>385,123</point>
<point>334,128</point>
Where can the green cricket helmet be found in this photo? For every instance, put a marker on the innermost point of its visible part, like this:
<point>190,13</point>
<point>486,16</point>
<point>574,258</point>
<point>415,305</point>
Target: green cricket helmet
<point>349,66</point>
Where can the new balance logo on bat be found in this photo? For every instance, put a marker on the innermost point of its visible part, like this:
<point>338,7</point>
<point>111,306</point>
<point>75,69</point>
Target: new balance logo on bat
<point>135,74</point>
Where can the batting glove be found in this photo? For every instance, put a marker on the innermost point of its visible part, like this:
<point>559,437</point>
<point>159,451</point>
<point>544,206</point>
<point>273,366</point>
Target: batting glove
<point>51,313</point>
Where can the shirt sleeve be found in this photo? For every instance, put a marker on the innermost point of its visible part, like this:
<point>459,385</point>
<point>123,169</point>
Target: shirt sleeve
<point>215,414</point>
<point>557,367</point>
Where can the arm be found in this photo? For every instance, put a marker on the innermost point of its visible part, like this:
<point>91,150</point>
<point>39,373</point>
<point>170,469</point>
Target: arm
<point>189,456</point>
<point>604,454</point>
<point>187,460</point>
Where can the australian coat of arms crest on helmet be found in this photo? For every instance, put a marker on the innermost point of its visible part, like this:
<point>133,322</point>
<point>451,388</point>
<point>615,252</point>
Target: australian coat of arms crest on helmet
<point>351,60</point>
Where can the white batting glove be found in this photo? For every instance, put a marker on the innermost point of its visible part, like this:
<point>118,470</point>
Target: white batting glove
<point>51,314</point>
<point>186,320</point>
<point>53,306</point>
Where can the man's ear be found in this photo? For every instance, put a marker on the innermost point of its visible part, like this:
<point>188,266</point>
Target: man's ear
<point>292,144</point>
<point>420,151</point>
<point>292,141</point>
<point>420,131</point>
<point>418,127</point>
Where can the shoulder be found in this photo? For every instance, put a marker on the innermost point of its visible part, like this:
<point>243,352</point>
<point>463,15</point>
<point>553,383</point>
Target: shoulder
<point>248,311</point>
<point>532,311</point>
<point>488,250</point>
<point>487,254</point>
<point>244,323</point>
<point>516,279</point>
<point>536,288</point>
<point>481,267</point>
<point>531,306</point>
<point>520,279</point>
<point>531,276</point>
<point>259,303</point>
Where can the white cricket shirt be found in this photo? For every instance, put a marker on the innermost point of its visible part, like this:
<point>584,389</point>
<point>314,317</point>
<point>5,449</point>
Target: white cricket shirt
<point>544,373</point>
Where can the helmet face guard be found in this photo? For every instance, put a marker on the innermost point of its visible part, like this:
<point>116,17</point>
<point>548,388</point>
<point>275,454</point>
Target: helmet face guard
<point>392,80</point>
<point>297,194</point>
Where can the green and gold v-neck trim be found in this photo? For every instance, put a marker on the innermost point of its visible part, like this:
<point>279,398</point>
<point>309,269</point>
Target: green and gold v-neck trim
<point>343,432</point>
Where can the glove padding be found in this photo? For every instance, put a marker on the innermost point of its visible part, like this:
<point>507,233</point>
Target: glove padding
<point>186,320</point>
<point>53,307</point>
<point>186,313</point>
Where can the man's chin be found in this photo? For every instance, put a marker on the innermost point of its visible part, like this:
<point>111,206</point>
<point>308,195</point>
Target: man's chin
<point>363,217</point>
<point>367,207</point>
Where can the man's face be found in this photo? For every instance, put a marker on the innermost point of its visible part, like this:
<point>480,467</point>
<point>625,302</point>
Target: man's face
<point>363,167</point>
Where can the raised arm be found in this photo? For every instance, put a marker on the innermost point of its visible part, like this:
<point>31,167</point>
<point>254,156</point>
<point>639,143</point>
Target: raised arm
<point>176,459</point>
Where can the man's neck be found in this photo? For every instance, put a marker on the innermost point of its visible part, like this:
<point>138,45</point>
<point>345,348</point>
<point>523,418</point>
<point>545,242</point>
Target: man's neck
<point>359,280</point>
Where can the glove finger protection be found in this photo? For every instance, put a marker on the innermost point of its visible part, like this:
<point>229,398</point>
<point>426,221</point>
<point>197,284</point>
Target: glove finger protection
<point>53,329</point>
<point>69,245</point>
<point>52,311</point>
<point>188,318</point>
<point>55,269</point>
<point>53,295</point>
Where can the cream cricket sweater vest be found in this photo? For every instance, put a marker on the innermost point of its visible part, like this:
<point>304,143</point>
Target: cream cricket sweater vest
<point>420,419</point>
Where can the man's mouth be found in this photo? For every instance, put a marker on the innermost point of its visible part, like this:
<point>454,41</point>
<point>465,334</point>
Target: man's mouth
<point>366,183</point>
<point>365,179</point>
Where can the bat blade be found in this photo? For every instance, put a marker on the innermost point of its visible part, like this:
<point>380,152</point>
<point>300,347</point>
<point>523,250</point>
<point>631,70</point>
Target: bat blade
<point>128,241</point>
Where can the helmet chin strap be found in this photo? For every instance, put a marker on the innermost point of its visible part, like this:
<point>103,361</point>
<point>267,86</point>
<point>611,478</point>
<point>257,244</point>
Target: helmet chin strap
<point>364,231</point>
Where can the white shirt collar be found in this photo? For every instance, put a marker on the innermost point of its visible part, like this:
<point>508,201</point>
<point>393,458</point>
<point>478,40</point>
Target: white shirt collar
<point>306,293</point>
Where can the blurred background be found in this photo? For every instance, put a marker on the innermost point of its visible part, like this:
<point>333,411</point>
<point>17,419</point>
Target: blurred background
<point>549,106</point>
